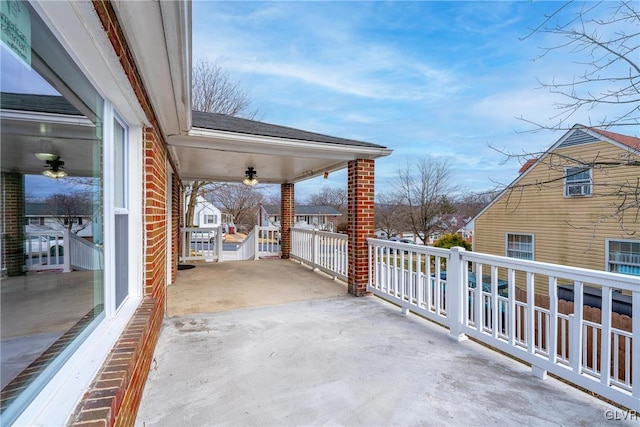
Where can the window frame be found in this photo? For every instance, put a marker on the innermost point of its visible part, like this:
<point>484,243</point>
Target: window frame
<point>572,172</point>
<point>213,218</point>
<point>507,249</point>
<point>607,256</point>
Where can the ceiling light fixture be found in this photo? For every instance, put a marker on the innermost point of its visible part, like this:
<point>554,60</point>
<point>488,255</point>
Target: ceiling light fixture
<point>250,177</point>
<point>46,156</point>
<point>56,166</point>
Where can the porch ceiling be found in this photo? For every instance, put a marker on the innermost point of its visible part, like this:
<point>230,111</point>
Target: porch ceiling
<point>220,148</point>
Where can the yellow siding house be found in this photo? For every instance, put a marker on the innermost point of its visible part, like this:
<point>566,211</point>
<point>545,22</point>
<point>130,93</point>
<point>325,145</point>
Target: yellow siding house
<point>577,205</point>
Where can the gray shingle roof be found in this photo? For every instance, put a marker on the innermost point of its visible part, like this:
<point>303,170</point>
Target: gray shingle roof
<point>41,103</point>
<point>223,122</point>
<point>48,209</point>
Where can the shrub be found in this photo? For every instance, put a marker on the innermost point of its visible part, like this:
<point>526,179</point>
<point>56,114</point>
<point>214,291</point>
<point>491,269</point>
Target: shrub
<point>450,240</point>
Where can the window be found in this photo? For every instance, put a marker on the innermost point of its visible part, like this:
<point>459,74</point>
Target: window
<point>623,256</point>
<point>519,246</point>
<point>36,220</point>
<point>577,182</point>
<point>57,113</point>
<point>211,219</point>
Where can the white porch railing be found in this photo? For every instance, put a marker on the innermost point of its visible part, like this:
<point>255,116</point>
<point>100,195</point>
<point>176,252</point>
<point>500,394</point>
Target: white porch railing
<point>268,241</point>
<point>322,250</point>
<point>201,244</point>
<point>245,250</point>
<point>82,254</point>
<point>60,250</point>
<point>505,311</point>
<point>45,250</point>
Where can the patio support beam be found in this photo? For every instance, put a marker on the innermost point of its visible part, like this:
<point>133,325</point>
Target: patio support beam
<point>360,210</point>
<point>287,206</point>
<point>13,222</point>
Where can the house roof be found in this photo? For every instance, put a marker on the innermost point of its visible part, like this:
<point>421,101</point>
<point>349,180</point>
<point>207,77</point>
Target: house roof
<point>629,141</point>
<point>228,123</point>
<point>527,165</point>
<point>48,209</point>
<point>305,210</point>
<point>55,104</point>
<point>220,148</point>
<point>578,134</point>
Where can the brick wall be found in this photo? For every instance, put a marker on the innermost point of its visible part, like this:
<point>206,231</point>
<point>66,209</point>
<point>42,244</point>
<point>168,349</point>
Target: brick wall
<point>155,214</point>
<point>12,222</point>
<point>287,206</point>
<point>360,211</point>
<point>176,221</point>
<point>114,396</point>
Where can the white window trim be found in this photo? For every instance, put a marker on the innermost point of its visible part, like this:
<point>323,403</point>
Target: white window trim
<point>606,250</point>
<point>512,233</point>
<point>566,183</point>
<point>127,155</point>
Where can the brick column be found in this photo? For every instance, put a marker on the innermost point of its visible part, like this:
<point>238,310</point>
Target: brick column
<point>12,222</point>
<point>360,208</point>
<point>287,207</point>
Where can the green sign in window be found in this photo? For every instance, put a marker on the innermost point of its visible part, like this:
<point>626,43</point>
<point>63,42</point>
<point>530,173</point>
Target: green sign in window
<point>15,31</point>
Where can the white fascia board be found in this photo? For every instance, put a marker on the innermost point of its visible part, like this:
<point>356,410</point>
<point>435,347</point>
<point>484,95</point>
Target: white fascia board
<point>176,17</point>
<point>158,34</point>
<point>51,118</point>
<point>238,142</point>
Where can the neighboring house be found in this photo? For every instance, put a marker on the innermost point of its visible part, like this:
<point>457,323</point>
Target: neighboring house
<point>206,215</point>
<point>560,210</point>
<point>452,224</point>
<point>40,216</point>
<point>306,216</point>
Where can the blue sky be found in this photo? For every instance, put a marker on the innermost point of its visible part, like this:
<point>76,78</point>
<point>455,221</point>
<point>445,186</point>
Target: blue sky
<point>422,78</point>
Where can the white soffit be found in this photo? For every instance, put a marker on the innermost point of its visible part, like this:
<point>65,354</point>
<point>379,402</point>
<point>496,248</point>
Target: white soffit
<point>224,156</point>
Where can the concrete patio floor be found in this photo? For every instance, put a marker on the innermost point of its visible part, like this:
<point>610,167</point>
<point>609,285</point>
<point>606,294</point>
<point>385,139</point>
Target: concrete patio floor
<point>220,286</point>
<point>341,360</point>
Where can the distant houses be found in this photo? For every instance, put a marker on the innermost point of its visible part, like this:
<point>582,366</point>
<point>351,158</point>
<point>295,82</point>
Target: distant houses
<point>206,215</point>
<point>307,216</point>
<point>44,216</point>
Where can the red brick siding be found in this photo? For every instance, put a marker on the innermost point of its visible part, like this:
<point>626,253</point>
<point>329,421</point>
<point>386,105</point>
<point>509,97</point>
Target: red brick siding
<point>155,211</point>
<point>287,206</point>
<point>176,219</point>
<point>360,211</point>
<point>12,222</point>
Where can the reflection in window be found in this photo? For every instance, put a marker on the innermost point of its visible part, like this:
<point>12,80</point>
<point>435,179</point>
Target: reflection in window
<point>624,256</point>
<point>50,226</point>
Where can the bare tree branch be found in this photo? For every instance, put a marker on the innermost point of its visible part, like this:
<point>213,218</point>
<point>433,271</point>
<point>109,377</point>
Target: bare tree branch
<point>214,91</point>
<point>426,188</point>
<point>612,70</point>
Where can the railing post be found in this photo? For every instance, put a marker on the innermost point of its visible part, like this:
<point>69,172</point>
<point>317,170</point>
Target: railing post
<point>575,329</point>
<point>256,234</point>
<point>219,243</point>
<point>66,251</point>
<point>455,293</point>
<point>315,248</point>
<point>635,354</point>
